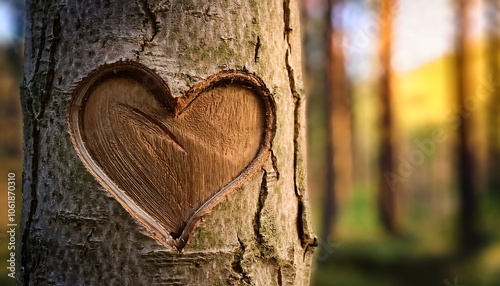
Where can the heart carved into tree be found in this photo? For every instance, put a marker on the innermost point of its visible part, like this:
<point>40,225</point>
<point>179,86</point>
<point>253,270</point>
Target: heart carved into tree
<point>168,160</point>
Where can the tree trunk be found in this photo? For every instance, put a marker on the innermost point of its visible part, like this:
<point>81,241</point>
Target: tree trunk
<point>74,232</point>
<point>493,112</point>
<point>465,149</point>
<point>339,151</point>
<point>386,196</point>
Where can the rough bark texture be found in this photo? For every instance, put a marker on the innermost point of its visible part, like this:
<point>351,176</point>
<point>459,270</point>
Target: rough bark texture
<point>74,232</point>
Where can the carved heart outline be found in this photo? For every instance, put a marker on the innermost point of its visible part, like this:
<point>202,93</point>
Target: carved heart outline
<point>158,87</point>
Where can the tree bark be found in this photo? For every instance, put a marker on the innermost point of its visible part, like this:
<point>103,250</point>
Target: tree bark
<point>74,233</point>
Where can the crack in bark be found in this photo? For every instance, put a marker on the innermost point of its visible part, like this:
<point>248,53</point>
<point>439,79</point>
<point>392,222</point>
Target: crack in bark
<point>236,264</point>
<point>260,206</point>
<point>310,247</point>
<point>35,127</point>
<point>153,22</point>
<point>88,244</point>
<point>296,114</point>
<point>274,161</point>
<point>286,21</point>
<point>257,48</point>
<point>280,277</point>
<point>265,249</point>
<point>308,241</point>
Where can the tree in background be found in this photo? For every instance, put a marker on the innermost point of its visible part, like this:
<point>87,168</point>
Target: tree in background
<point>493,112</point>
<point>465,149</point>
<point>339,153</point>
<point>386,196</point>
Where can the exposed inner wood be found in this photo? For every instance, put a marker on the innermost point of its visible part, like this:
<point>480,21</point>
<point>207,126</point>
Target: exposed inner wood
<point>168,165</point>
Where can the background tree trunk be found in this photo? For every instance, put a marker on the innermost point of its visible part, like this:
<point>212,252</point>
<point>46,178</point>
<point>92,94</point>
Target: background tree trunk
<point>466,165</point>
<point>74,232</point>
<point>339,153</point>
<point>493,112</point>
<point>386,196</point>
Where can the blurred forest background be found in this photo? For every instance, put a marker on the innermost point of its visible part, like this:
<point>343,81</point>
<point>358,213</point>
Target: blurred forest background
<point>404,138</point>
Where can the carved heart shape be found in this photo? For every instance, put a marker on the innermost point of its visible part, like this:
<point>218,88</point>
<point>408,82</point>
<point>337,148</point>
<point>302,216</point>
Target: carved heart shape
<point>168,160</point>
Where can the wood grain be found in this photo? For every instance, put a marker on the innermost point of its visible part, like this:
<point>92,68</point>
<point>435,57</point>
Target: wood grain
<point>168,160</point>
